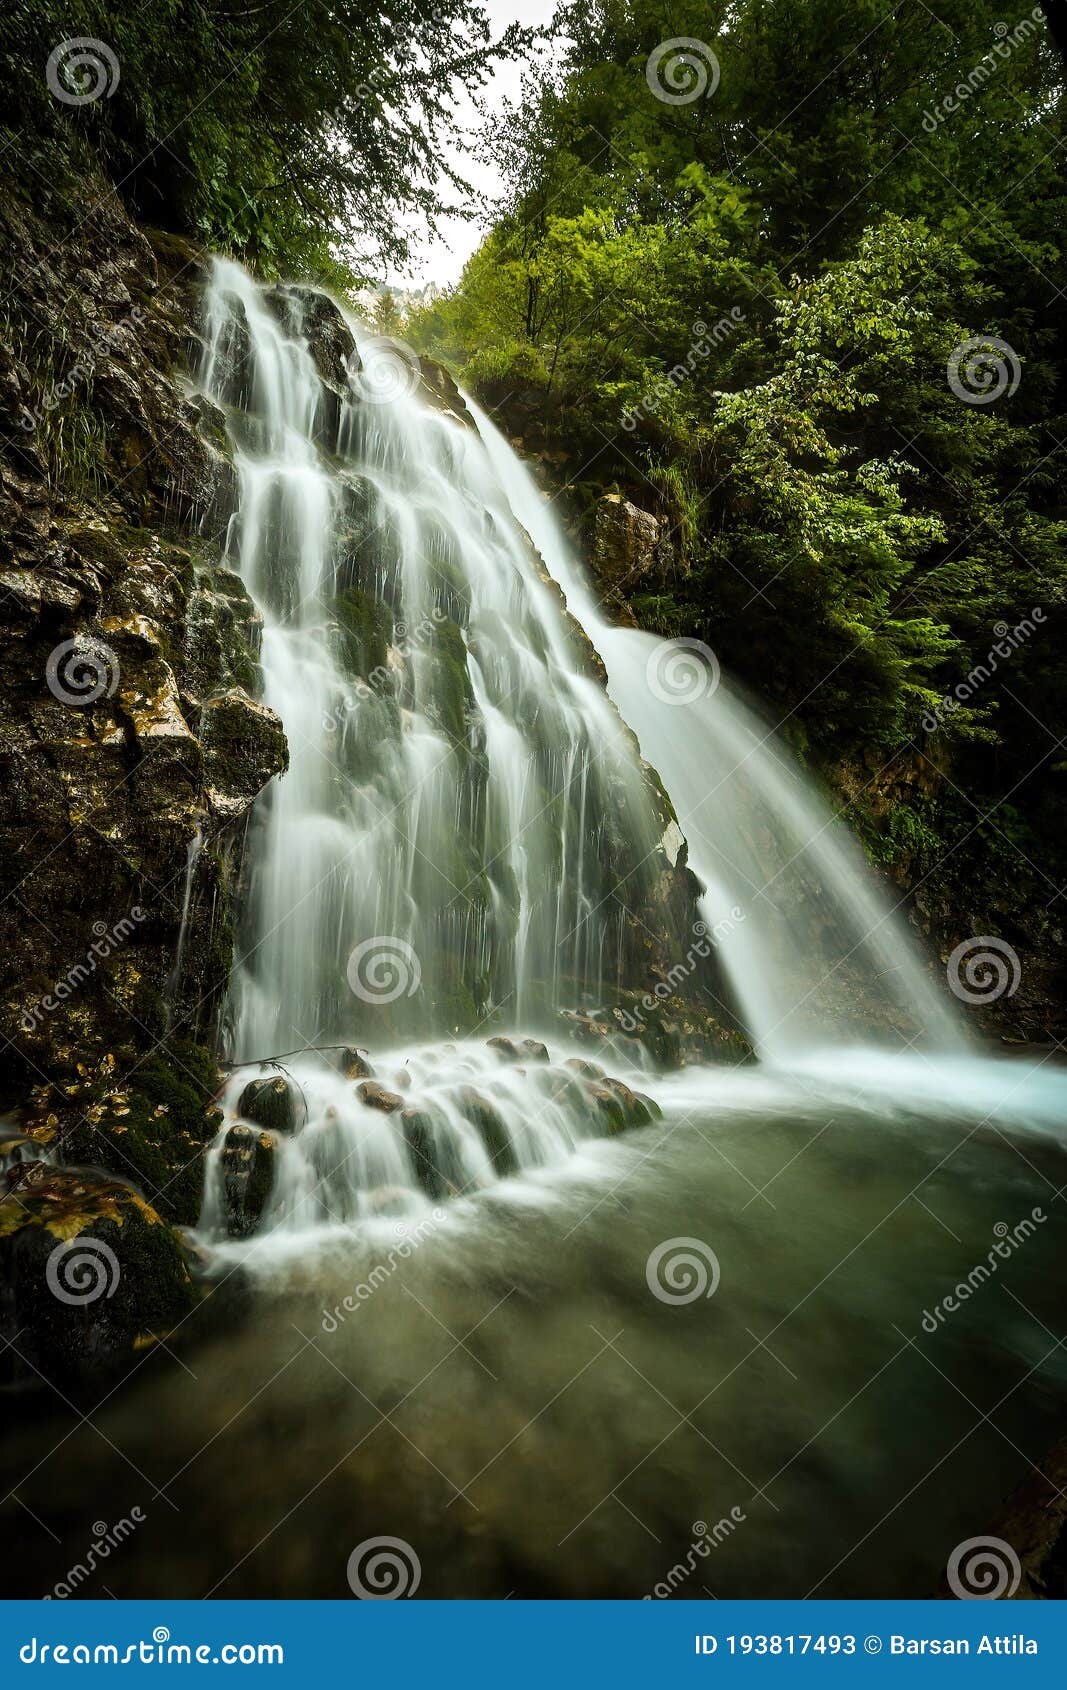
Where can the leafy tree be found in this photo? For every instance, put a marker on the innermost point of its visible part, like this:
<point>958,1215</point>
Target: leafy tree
<point>282,132</point>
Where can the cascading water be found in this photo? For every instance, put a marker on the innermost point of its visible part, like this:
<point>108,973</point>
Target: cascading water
<point>465,827</point>
<point>813,949</point>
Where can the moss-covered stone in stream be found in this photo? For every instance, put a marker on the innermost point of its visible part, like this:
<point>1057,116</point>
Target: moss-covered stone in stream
<point>89,1268</point>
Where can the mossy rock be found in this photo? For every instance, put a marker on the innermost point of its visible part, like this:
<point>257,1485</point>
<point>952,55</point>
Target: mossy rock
<point>270,1103</point>
<point>89,1266</point>
<point>152,1128</point>
<point>365,626</point>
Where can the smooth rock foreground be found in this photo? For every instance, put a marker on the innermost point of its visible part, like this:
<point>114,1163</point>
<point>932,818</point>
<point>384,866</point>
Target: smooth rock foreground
<point>453,1123</point>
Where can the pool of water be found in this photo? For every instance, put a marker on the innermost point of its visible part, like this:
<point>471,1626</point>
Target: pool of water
<point>535,1392</point>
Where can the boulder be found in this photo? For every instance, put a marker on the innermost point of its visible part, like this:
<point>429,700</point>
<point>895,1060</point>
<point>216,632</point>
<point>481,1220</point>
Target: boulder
<point>248,1164</point>
<point>518,1050</point>
<point>376,1096</point>
<point>269,1103</point>
<point>88,1266</point>
<point>631,548</point>
<point>490,1124</point>
<point>588,1070</point>
<point>418,1137</point>
<point>506,1049</point>
<point>354,1065</point>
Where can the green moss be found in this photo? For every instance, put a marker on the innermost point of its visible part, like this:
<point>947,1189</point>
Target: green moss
<point>365,624</point>
<point>152,1129</point>
<point>452,701</point>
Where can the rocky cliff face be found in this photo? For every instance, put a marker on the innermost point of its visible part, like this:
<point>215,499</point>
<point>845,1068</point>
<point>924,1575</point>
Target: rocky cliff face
<point>131,739</point>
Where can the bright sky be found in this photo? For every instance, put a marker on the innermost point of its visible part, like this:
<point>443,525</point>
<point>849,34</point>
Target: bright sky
<point>441,260</point>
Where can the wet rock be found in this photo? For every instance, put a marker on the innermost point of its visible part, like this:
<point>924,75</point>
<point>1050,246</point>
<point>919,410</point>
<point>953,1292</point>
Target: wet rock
<point>248,1165</point>
<point>518,1050</point>
<point>588,1070</point>
<point>611,1109</point>
<point>637,1109</point>
<point>312,313</point>
<point>506,1049</point>
<point>354,1065</point>
<point>631,547</point>
<point>88,1267</point>
<point>25,1172</point>
<point>418,1137</point>
<point>376,1096</point>
<point>269,1103</point>
<point>244,746</point>
<point>490,1124</point>
<point>438,390</point>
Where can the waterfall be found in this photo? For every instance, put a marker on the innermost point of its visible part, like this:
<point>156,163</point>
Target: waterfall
<point>468,837</point>
<point>463,799</point>
<point>466,833</point>
<point>814,950</point>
